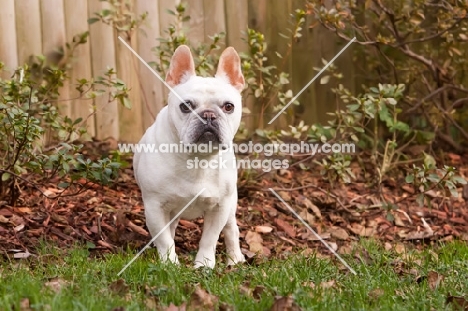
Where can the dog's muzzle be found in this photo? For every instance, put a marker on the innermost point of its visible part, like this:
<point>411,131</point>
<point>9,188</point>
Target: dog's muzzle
<point>208,132</point>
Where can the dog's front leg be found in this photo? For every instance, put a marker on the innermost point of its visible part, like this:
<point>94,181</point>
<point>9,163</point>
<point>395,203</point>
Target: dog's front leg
<point>231,238</point>
<point>214,222</point>
<point>156,219</point>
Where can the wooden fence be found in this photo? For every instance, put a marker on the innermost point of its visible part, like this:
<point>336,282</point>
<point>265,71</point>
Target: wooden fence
<point>33,27</point>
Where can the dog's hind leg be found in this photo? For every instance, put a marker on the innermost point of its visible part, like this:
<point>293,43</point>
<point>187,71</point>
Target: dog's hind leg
<point>174,225</point>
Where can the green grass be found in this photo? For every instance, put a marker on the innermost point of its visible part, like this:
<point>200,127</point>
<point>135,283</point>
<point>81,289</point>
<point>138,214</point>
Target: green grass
<point>88,280</point>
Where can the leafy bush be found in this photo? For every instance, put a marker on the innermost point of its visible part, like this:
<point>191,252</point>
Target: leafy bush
<point>39,143</point>
<point>420,44</point>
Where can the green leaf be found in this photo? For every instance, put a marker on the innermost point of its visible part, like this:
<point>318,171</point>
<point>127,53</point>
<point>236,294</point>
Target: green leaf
<point>353,107</point>
<point>246,110</point>
<point>324,79</point>
<point>433,178</point>
<point>77,121</point>
<point>459,180</point>
<point>409,179</point>
<point>391,101</point>
<point>63,185</point>
<point>125,101</point>
<point>420,199</point>
<point>6,176</point>
<point>374,90</point>
<point>93,20</point>
<point>454,193</point>
<point>400,126</point>
<point>429,160</point>
<point>390,217</point>
<point>283,79</point>
<point>260,132</point>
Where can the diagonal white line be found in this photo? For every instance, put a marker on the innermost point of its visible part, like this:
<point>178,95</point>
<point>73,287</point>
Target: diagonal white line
<point>313,231</point>
<point>161,79</point>
<point>157,235</point>
<point>311,81</point>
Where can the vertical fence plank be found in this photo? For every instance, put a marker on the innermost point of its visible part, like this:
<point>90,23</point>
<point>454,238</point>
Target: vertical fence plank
<point>8,50</point>
<point>103,57</point>
<point>53,44</point>
<point>257,19</point>
<point>305,57</point>
<point>76,16</point>
<point>214,18</point>
<point>131,120</point>
<point>152,88</point>
<point>28,29</point>
<point>165,20</point>
<point>278,22</point>
<point>196,24</point>
<point>324,100</point>
<point>53,29</point>
<point>237,20</point>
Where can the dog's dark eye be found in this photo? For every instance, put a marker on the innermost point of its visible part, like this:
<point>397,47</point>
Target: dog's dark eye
<point>228,107</point>
<point>185,107</point>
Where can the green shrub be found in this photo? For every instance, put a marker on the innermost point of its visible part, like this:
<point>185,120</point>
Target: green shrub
<point>39,144</point>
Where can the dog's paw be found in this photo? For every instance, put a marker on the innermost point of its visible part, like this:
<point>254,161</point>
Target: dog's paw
<point>169,259</point>
<point>205,263</point>
<point>234,260</point>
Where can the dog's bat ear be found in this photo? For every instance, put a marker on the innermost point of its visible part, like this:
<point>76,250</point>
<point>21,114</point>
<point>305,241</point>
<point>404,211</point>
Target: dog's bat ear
<point>230,67</point>
<point>182,66</point>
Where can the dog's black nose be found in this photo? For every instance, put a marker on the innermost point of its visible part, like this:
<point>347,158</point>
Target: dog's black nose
<point>208,115</point>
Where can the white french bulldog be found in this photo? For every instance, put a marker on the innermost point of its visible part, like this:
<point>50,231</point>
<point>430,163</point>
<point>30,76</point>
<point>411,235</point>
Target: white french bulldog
<point>211,114</point>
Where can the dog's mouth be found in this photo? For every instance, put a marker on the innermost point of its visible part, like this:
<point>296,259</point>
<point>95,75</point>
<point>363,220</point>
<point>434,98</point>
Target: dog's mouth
<point>208,134</point>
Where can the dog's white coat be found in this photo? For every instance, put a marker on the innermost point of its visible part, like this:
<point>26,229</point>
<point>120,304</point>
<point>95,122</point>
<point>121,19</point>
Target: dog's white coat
<point>166,183</point>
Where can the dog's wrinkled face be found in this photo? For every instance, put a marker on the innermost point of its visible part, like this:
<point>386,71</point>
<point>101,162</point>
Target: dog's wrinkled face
<point>217,101</point>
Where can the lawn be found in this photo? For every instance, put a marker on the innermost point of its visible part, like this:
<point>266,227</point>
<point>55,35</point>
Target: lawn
<point>387,279</point>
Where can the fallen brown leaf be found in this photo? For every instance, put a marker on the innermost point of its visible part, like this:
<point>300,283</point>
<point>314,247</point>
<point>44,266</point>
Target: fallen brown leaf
<point>309,284</point>
<point>25,305</point>
<point>418,235</point>
<point>258,291</point>
<point>283,225</point>
<point>19,228</point>
<point>263,229</point>
<point>339,233</point>
<point>137,229</point>
<point>308,217</point>
<point>245,289</point>
<point>434,279</point>
<point>255,242</point>
<point>328,284</point>
<point>376,293</point>
<point>284,195</point>
<point>461,303</point>
<point>119,287</point>
<point>305,202</point>
<point>285,304</point>
<point>202,300</point>
<point>173,307</point>
<point>3,219</point>
<point>56,284</point>
<point>400,248</point>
